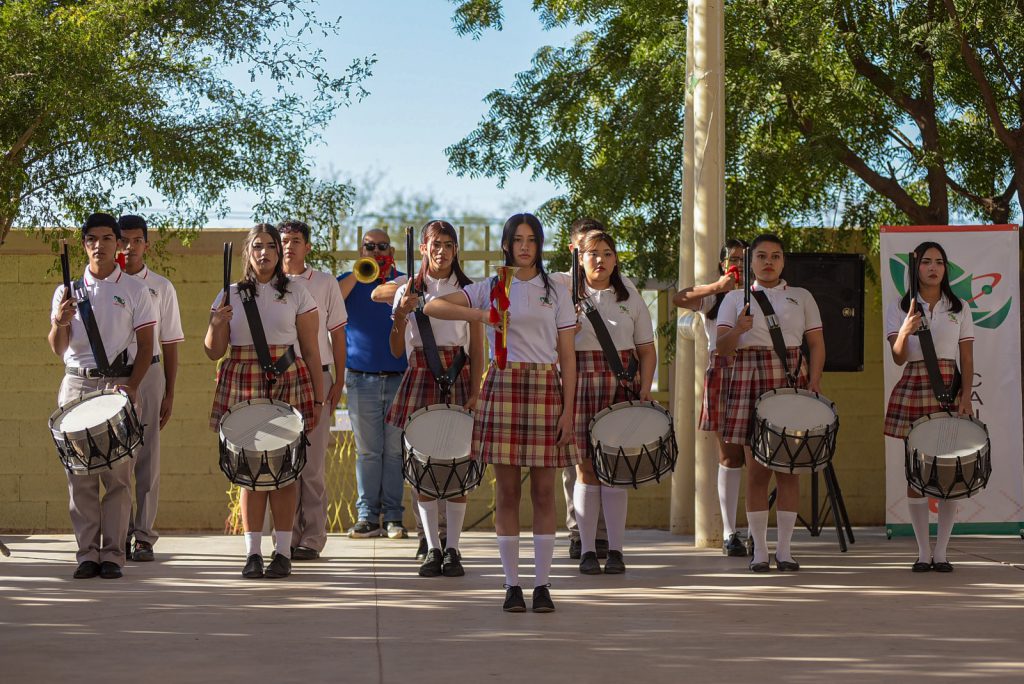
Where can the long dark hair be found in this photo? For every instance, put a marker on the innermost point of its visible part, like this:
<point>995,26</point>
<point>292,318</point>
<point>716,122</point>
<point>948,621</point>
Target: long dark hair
<point>249,280</point>
<point>730,244</point>
<point>944,287</point>
<point>591,238</point>
<point>434,230</point>
<point>508,233</point>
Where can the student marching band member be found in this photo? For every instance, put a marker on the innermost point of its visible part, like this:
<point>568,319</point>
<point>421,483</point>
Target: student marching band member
<point>120,314</point>
<point>628,321</point>
<point>440,275</point>
<point>952,332</point>
<point>743,330</point>
<point>524,417</point>
<point>289,317</point>
<point>707,299</point>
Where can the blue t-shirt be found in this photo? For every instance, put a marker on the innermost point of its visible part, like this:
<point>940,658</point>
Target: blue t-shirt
<point>368,330</point>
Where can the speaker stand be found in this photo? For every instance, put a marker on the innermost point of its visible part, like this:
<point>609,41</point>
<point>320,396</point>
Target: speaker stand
<point>833,504</point>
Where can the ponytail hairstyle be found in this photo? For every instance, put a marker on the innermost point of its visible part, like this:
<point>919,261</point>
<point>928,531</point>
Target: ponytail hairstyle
<point>508,234</point>
<point>589,240</point>
<point>432,231</point>
<point>249,281</point>
<point>730,244</point>
<point>945,288</point>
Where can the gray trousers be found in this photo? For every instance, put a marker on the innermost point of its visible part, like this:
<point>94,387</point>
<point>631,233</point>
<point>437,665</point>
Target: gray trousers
<point>568,483</point>
<point>100,522</point>
<point>310,529</point>
<point>146,463</point>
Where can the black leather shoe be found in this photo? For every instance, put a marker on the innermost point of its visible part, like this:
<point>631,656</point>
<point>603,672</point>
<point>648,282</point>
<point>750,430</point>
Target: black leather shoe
<point>589,564</point>
<point>601,546</point>
<point>110,570</point>
<point>87,570</point>
<point>421,551</point>
<point>575,548</point>
<point>451,565</point>
<point>784,565</point>
<point>433,563</point>
<point>542,600</point>
<point>615,565</point>
<point>734,546</point>
<point>304,553</point>
<point>759,567</point>
<point>921,566</point>
<point>514,601</point>
<point>143,552</point>
<point>280,567</point>
<point>942,566</point>
<point>253,567</point>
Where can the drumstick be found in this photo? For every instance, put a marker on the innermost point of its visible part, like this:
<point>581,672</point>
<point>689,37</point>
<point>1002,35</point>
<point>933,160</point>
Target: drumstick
<point>575,271</point>
<point>410,266</point>
<point>746,276</point>
<point>65,268</point>
<point>227,273</point>
<point>912,276</point>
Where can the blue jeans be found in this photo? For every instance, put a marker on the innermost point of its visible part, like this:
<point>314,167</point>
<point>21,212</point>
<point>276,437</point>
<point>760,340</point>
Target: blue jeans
<point>378,446</point>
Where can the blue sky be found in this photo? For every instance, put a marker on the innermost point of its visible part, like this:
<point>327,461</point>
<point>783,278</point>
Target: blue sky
<point>426,92</point>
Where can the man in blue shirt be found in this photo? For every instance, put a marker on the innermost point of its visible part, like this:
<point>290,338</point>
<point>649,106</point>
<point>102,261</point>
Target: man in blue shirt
<point>371,381</point>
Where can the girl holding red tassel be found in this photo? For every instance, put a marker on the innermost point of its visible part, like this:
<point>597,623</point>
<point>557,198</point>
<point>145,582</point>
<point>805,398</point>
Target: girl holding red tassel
<point>524,418</point>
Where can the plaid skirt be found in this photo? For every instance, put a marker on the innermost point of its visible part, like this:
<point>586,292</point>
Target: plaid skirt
<point>516,420</point>
<point>240,378</point>
<point>755,371</point>
<point>716,385</point>
<point>418,388</point>
<point>912,397</point>
<point>597,388</point>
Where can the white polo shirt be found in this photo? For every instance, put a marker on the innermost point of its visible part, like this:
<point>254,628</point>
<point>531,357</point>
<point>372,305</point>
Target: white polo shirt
<point>165,303</point>
<point>795,307</point>
<point>710,326</point>
<point>121,305</point>
<point>628,322</point>
<point>446,333</point>
<point>536,317</point>
<point>331,305</point>
<point>949,329</point>
<point>277,311</point>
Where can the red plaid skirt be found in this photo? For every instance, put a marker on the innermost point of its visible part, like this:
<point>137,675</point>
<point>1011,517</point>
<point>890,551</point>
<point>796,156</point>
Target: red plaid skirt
<point>597,388</point>
<point>912,397</point>
<point>240,378</point>
<point>418,388</point>
<point>716,386</point>
<point>516,421</point>
<point>755,371</point>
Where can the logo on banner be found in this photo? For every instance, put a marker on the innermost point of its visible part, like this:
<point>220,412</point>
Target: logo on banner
<point>979,291</point>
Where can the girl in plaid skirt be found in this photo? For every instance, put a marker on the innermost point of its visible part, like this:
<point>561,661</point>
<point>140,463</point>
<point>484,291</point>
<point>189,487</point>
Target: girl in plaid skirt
<point>952,330</point>
<point>440,274</point>
<point>524,418</point>
<point>289,316</point>
<point>629,325</point>
<point>707,299</point>
<point>757,369</point>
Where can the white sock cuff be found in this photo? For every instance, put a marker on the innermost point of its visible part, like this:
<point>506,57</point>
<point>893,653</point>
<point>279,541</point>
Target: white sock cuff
<point>722,466</point>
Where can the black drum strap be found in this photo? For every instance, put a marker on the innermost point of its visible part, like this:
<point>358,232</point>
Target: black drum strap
<point>945,395</point>
<point>611,354</point>
<point>92,331</point>
<point>445,379</point>
<point>775,330</point>
<point>259,339</point>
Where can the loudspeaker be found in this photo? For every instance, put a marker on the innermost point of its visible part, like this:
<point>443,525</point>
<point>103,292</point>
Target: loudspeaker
<point>837,283</point>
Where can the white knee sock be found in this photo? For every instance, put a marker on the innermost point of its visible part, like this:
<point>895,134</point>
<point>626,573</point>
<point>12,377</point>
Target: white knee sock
<point>508,549</point>
<point>456,516</point>
<point>283,543</point>
<point>543,552</point>
<point>757,521</point>
<point>428,517</point>
<point>947,516</point>
<point>613,502</point>
<point>586,499</point>
<point>784,521</point>
<point>728,496</point>
<point>253,540</point>
<point>918,509</point>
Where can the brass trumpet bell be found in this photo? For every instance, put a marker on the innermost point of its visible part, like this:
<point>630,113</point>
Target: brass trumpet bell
<point>366,270</point>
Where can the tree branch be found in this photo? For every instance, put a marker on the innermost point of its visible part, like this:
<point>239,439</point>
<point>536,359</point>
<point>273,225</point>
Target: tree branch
<point>23,139</point>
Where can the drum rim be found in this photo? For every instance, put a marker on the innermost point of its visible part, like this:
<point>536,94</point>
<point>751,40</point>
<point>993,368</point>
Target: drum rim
<point>235,449</point>
<point>637,450</point>
<point>78,434</point>
<point>818,431</point>
<point>935,415</point>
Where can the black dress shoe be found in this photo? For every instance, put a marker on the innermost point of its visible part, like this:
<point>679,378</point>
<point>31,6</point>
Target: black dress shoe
<point>759,567</point>
<point>514,601</point>
<point>421,550</point>
<point>87,570</point>
<point>451,565</point>
<point>784,565</point>
<point>734,546</point>
<point>280,567</point>
<point>921,566</point>
<point>942,566</point>
<point>253,567</point>
<point>143,552</point>
<point>575,548</point>
<point>589,564</point>
<point>615,565</point>
<point>304,553</point>
<point>432,565</point>
<point>110,570</point>
<point>601,547</point>
<point>542,600</point>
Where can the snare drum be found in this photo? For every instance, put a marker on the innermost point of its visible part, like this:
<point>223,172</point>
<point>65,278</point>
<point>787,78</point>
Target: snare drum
<point>948,456</point>
<point>95,431</point>
<point>632,443</point>
<point>794,430</point>
<point>436,452</point>
<point>262,444</point>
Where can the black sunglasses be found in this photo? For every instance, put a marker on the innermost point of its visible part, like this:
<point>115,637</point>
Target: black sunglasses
<point>380,246</point>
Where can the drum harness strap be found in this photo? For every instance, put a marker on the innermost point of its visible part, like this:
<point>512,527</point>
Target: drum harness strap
<point>611,355</point>
<point>945,395</point>
<point>120,367</point>
<point>270,369</point>
<point>444,378</point>
<point>775,330</point>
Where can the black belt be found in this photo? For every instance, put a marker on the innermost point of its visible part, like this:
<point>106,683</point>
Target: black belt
<point>353,370</point>
<point>80,372</point>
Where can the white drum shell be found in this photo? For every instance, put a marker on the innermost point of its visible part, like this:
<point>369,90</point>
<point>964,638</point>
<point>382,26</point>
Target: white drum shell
<point>937,443</point>
<point>805,420</point>
<point>263,428</point>
<point>436,445</point>
<point>93,416</point>
<point>633,443</point>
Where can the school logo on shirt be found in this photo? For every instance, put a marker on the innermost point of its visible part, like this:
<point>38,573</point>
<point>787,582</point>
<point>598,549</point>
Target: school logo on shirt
<point>963,285</point>
<point>280,297</point>
<point>792,301</point>
<point>152,293</point>
<point>546,301</point>
<point>120,302</point>
<point>623,308</point>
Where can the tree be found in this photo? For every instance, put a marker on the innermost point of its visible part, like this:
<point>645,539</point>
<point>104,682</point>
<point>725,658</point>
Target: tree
<point>97,95</point>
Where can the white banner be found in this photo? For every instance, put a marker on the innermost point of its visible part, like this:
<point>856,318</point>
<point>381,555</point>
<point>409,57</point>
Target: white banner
<point>983,270</point>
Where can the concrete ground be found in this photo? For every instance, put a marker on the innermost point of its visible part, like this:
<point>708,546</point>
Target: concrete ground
<point>361,614</point>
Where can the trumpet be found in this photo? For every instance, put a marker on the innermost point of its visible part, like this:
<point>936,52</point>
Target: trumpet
<point>366,270</point>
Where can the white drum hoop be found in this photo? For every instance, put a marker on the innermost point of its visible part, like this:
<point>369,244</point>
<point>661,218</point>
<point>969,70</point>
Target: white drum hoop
<point>944,460</point>
<point>283,455</point>
<point>435,462</point>
<point>807,444</point>
<point>622,457</point>
<point>89,447</point>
